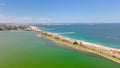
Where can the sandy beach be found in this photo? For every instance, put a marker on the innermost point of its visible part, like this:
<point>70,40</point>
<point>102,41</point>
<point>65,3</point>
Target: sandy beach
<point>107,52</point>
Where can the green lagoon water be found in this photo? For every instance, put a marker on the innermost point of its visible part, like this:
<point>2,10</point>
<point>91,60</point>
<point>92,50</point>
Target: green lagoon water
<point>26,50</point>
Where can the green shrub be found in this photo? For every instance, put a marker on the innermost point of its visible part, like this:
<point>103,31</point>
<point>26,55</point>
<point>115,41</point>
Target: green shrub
<point>56,38</point>
<point>113,56</point>
<point>75,43</point>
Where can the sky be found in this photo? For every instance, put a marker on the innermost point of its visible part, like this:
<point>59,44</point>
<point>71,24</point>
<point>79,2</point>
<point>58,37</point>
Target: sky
<point>59,11</point>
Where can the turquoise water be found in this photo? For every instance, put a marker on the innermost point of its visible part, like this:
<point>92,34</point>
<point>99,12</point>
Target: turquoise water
<point>104,34</point>
<point>27,50</point>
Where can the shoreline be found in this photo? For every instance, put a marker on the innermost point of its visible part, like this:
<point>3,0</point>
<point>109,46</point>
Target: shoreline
<point>112,54</point>
<point>106,52</point>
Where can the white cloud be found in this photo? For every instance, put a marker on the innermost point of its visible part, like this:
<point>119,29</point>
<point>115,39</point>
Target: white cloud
<point>9,19</point>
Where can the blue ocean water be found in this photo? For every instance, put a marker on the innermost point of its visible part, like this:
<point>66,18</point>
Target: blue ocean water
<point>103,34</point>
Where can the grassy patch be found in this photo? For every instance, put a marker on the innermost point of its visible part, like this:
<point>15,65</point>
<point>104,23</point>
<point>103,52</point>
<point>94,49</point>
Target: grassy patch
<point>56,38</point>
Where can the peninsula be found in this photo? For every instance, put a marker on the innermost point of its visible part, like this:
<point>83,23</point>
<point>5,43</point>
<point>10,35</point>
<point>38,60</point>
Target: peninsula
<point>107,52</point>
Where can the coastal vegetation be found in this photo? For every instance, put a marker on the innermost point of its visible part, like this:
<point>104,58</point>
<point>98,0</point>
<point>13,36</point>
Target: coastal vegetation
<point>75,43</point>
<point>80,46</point>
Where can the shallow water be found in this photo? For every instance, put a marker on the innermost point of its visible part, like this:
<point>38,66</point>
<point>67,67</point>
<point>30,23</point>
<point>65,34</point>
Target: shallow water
<point>104,34</point>
<point>26,50</point>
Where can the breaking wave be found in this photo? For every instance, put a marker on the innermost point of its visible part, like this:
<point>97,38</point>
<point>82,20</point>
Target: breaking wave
<point>66,33</point>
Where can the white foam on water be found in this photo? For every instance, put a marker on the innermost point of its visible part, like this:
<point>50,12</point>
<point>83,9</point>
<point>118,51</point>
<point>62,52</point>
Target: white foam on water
<point>66,33</point>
